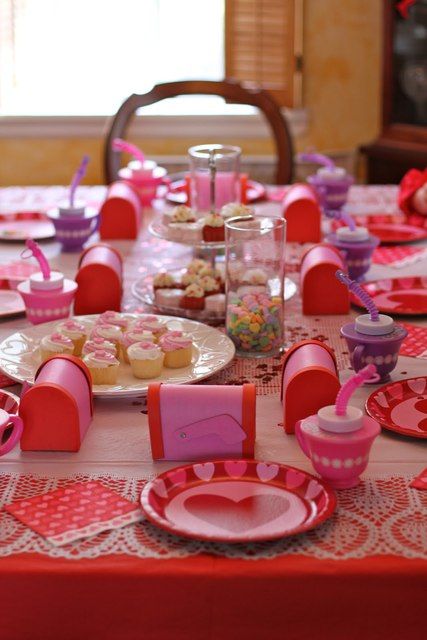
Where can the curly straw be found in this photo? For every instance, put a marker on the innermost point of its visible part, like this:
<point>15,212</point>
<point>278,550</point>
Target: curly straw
<point>317,158</point>
<point>347,390</point>
<point>127,147</point>
<point>77,178</point>
<point>33,250</point>
<point>363,296</point>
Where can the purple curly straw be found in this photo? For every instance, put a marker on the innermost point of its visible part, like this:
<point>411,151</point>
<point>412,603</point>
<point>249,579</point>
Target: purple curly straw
<point>363,296</point>
<point>317,158</point>
<point>347,390</point>
<point>347,218</point>
<point>77,178</point>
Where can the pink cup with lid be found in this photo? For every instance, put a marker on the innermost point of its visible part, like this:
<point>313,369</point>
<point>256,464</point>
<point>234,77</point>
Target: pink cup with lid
<point>339,438</point>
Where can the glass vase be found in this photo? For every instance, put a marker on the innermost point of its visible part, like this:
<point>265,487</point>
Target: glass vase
<point>255,271</point>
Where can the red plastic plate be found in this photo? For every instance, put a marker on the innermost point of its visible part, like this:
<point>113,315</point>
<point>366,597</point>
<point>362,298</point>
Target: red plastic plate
<point>237,501</point>
<point>391,229</point>
<point>401,406</point>
<point>401,296</point>
<point>177,194</point>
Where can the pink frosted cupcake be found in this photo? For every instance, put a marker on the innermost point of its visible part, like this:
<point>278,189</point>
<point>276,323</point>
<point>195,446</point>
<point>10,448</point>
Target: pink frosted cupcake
<point>146,359</point>
<point>103,366</point>
<point>55,343</point>
<point>133,336</point>
<point>178,349</point>
<point>150,323</point>
<point>76,331</point>
<point>115,318</point>
<point>110,332</point>
<point>97,344</point>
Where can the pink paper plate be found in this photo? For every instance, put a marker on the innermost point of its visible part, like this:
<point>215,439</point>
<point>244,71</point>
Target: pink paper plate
<point>237,501</point>
<point>401,296</point>
<point>177,194</point>
<point>20,226</point>
<point>401,406</point>
<point>11,303</point>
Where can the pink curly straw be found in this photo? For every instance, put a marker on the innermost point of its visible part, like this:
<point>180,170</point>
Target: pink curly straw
<point>127,147</point>
<point>347,390</point>
<point>77,178</point>
<point>33,249</point>
<point>363,296</point>
<point>317,158</point>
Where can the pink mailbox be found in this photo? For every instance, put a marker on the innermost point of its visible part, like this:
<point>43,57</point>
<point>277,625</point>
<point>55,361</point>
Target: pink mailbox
<point>120,213</point>
<point>309,381</point>
<point>57,410</point>
<point>197,422</point>
<point>322,293</point>
<point>100,280</point>
<point>303,215</point>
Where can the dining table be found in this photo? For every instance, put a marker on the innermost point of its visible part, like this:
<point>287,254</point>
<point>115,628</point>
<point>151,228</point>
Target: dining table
<point>360,574</point>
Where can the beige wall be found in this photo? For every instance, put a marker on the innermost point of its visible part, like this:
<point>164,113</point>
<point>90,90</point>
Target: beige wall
<point>342,50</point>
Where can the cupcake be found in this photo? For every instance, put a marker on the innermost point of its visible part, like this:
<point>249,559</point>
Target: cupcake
<point>197,265</point>
<point>146,359</point>
<point>193,298</point>
<point>133,336</point>
<point>115,318</point>
<point>254,281</point>
<point>103,366</point>
<point>96,344</point>
<point>235,209</point>
<point>213,228</point>
<point>164,280</point>
<point>55,343</point>
<point>110,332</point>
<point>76,331</point>
<point>189,278</point>
<point>179,214</point>
<point>178,349</point>
<point>150,323</point>
<point>209,285</point>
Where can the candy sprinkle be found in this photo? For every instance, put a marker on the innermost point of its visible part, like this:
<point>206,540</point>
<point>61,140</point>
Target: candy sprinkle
<point>254,322</point>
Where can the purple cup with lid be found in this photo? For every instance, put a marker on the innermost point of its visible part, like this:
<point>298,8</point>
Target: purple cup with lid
<point>357,246</point>
<point>382,350</point>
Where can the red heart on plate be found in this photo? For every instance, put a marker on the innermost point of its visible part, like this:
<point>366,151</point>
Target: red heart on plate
<point>237,516</point>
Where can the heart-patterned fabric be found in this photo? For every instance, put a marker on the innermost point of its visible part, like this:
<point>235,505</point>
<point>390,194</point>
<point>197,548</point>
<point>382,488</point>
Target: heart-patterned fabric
<point>380,516</point>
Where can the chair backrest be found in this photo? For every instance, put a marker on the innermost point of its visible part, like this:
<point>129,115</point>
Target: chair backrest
<point>231,91</point>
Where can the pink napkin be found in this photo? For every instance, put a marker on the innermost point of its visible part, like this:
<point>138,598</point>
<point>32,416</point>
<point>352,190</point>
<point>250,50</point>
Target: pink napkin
<point>77,510</point>
<point>398,256</point>
<point>415,343</point>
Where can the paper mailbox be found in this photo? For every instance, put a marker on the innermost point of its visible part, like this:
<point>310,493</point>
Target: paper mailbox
<point>320,290</point>
<point>100,280</point>
<point>197,422</point>
<point>309,381</point>
<point>57,409</point>
<point>303,215</point>
<point>120,213</point>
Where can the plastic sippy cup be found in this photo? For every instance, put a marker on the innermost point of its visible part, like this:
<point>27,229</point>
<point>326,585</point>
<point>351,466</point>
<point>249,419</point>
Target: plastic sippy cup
<point>144,176</point>
<point>74,222</point>
<point>330,182</point>
<point>338,439</point>
<point>47,294</point>
<point>373,338</point>
<point>357,245</point>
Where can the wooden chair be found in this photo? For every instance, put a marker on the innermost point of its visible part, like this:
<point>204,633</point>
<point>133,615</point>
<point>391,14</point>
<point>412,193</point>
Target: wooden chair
<point>231,91</point>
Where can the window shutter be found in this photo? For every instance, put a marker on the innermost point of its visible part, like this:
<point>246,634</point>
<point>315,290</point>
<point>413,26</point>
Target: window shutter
<point>263,46</point>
